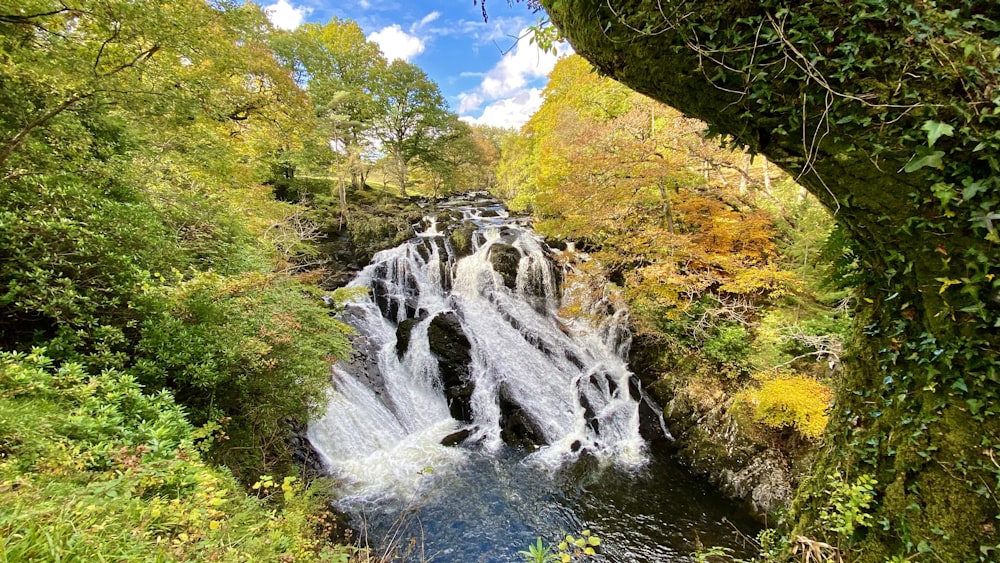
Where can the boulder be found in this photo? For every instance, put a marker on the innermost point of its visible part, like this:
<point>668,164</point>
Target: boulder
<point>517,429</point>
<point>505,259</point>
<point>453,351</point>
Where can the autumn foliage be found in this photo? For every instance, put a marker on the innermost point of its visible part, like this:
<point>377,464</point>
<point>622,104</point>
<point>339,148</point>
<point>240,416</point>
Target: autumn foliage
<point>666,211</point>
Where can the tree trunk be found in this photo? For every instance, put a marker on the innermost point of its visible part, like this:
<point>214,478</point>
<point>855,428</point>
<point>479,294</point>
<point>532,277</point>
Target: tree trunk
<point>744,175</point>
<point>401,175</point>
<point>343,203</point>
<point>668,213</point>
<point>901,164</point>
<point>767,174</point>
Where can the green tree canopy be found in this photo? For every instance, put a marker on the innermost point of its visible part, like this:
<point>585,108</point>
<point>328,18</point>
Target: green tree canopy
<point>412,116</point>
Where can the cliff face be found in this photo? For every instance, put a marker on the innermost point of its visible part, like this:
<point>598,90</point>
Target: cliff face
<point>886,112</point>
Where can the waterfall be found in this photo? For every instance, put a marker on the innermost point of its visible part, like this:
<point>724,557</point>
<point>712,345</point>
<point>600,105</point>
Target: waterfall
<point>459,340</point>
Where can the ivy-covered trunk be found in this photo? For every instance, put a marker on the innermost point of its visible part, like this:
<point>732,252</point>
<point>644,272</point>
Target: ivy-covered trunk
<point>889,112</point>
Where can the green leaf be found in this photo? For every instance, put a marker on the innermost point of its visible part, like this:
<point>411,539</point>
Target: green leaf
<point>924,157</point>
<point>974,405</point>
<point>935,129</point>
<point>944,192</point>
<point>972,188</point>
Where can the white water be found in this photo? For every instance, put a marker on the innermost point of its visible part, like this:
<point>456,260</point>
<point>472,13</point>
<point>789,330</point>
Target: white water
<point>381,433</point>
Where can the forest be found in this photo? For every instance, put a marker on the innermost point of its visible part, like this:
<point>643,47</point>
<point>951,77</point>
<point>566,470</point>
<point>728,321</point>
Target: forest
<point>802,230</point>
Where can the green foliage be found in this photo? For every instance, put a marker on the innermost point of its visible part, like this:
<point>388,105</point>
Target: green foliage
<point>538,553</point>
<point>849,505</point>
<point>94,468</point>
<point>577,548</point>
<point>251,350</point>
<point>728,344</point>
<point>569,549</point>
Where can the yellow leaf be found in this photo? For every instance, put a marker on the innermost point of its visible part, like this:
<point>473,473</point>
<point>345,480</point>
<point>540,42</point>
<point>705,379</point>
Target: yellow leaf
<point>946,283</point>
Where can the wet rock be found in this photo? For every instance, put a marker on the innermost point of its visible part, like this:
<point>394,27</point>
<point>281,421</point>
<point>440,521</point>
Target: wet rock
<point>589,414</point>
<point>634,388</point>
<point>453,351</point>
<point>462,240</point>
<point>304,455</point>
<point>404,333</point>
<point>456,438</point>
<point>505,259</point>
<point>558,244</point>
<point>612,384</point>
<point>734,456</point>
<point>517,429</point>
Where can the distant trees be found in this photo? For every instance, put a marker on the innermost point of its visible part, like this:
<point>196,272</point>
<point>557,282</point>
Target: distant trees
<point>367,108</point>
<point>340,71</point>
<point>412,121</point>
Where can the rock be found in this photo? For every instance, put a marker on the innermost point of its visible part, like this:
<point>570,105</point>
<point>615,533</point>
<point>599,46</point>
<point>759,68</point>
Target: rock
<point>456,438</point>
<point>734,457</point>
<point>304,455</point>
<point>558,244</point>
<point>517,429</point>
<point>461,240</point>
<point>453,351</point>
<point>403,335</point>
<point>505,259</point>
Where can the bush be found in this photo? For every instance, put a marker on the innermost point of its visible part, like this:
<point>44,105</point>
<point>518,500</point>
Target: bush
<point>789,401</point>
<point>94,469</point>
<point>729,344</point>
<point>249,351</point>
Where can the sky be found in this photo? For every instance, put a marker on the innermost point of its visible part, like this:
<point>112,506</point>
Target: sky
<point>486,74</point>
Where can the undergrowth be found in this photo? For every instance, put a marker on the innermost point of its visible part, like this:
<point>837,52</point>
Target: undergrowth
<point>93,468</point>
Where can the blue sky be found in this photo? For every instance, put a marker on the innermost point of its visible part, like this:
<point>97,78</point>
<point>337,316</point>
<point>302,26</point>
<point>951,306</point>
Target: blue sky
<point>485,73</point>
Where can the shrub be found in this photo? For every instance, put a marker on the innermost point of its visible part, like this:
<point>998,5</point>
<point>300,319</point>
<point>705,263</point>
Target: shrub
<point>251,351</point>
<point>94,469</point>
<point>789,401</point>
<point>729,344</point>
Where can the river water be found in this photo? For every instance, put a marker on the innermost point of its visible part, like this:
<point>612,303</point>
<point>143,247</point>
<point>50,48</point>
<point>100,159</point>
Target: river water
<point>475,419</point>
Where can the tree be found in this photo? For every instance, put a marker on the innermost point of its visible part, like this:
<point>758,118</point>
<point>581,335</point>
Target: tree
<point>134,235</point>
<point>339,69</point>
<point>622,176</point>
<point>412,116</point>
<point>886,111</point>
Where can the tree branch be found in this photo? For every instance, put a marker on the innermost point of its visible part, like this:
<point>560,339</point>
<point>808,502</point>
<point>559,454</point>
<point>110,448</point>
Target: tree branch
<point>12,144</point>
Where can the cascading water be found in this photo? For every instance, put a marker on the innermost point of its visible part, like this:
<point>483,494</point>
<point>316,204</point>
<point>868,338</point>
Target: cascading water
<point>459,342</point>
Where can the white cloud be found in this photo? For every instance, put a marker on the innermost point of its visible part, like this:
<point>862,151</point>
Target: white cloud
<point>425,20</point>
<point>507,87</point>
<point>396,43</point>
<point>468,101</point>
<point>510,112</point>
<point>286,16</point>
<point>526,62</point>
